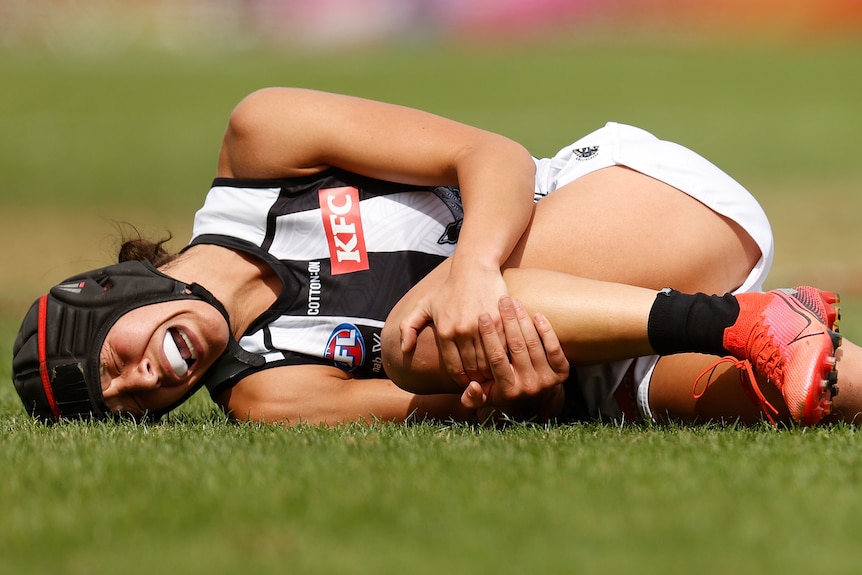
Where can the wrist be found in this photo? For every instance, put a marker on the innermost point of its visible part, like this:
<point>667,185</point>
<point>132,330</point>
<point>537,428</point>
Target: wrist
<point>464,263</point>
<point>482,249</point>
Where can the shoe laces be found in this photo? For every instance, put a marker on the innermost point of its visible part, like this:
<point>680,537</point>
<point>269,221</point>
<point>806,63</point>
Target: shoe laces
<point>762,350</point>
<point>747,378</point>
<point>766,355</point>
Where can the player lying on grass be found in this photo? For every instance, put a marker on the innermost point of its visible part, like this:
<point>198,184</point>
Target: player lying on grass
<point>330,214</point>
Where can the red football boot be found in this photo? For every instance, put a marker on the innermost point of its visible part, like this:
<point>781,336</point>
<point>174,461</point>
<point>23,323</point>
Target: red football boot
<point>783,337</point>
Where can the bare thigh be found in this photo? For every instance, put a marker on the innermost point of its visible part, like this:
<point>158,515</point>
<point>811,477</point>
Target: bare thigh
<point>621,226</point>
<point>632,229</point>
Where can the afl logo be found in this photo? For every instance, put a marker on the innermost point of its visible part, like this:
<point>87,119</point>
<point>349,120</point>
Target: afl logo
<point>346,347</point>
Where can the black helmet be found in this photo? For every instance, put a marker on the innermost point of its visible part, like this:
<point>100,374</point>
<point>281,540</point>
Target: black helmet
<point>55,365</point>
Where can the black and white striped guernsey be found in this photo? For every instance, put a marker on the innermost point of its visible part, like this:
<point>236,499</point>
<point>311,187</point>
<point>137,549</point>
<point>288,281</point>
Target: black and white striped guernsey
<point>346,248</point>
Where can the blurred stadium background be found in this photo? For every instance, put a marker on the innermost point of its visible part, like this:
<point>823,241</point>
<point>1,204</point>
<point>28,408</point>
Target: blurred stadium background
<point>97,26</point>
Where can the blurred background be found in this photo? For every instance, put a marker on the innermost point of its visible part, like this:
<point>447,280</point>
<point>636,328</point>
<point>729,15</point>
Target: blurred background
<point>97,26</point>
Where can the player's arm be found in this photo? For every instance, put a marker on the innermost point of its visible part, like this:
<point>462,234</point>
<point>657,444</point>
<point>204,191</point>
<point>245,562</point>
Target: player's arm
<point>289,132</point>
<point>326,395</point>
<point>285,132</point>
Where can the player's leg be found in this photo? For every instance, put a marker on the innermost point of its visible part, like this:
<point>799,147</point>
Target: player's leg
<point>614,225</point>
<point>676,393</point>
<point>847,405</point>
<point>595,321</point>
<point>720,397</point>
<point>599,322</point>
<point>617,225</point>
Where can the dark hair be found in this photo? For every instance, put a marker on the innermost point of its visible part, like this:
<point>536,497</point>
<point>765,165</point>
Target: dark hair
<point>136,247</point>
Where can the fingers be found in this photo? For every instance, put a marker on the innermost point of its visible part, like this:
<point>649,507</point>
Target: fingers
<point>527,364</point>
<point>533,343</point>
<point>464,355</point>
<point>526,354</point>
<point>460,346</point>
<point>474,396</point>
<point>477,397</point>
<point>530,360</point>
<point>410,326</point>
<point>452,360</point>
<point>480,368</point>
<point>483,369</point>
<point>521,336</point>
<point>504,383</point>
<point>496,352</point>
<point>553,349</point>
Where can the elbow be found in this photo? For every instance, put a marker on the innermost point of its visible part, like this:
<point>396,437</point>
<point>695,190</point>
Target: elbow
<point>490,149</point>
<point>251,130</point>
<point>250,114</point>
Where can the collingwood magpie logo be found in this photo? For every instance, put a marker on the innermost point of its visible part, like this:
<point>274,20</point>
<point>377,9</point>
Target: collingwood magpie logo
<point>586,153</point>
<point>451,196</point>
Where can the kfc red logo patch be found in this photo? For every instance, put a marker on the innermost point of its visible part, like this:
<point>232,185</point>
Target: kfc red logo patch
<point>343,224</point>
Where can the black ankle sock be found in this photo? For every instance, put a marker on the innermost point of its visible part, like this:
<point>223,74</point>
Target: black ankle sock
<point>680,323</point>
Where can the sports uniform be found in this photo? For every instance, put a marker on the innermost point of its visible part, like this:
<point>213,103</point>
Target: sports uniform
<point>347,248</point>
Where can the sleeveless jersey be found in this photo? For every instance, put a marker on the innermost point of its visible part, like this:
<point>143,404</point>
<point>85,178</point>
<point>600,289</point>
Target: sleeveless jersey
<point>345,247</point>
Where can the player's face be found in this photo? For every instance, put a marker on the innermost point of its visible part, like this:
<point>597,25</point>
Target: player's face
<point>154,355</point>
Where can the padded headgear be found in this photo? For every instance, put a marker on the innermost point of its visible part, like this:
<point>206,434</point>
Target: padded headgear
<point>55,365</point>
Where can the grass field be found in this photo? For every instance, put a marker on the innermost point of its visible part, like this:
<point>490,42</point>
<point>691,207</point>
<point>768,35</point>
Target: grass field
<point>85,143</point>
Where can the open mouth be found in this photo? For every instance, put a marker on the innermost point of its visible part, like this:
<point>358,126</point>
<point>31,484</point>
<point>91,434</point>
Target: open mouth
<point>179,350</point>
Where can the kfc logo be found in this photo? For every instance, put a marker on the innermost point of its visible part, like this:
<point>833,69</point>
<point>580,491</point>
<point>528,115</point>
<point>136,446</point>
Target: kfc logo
<point>343,225</point>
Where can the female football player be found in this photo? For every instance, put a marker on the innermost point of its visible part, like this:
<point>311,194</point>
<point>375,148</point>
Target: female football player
<point>350,257</point>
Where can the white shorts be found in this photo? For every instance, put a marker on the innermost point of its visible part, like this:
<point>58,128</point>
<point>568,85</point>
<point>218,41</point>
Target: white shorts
<point>622,145</point>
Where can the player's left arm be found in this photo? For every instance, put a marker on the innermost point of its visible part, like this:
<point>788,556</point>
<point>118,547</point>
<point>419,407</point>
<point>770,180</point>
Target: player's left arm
<point>326,395</point>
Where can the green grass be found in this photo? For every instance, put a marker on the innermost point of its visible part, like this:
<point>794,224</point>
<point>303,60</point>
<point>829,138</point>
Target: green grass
<point>83,141</point>
<point>199,496</point>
